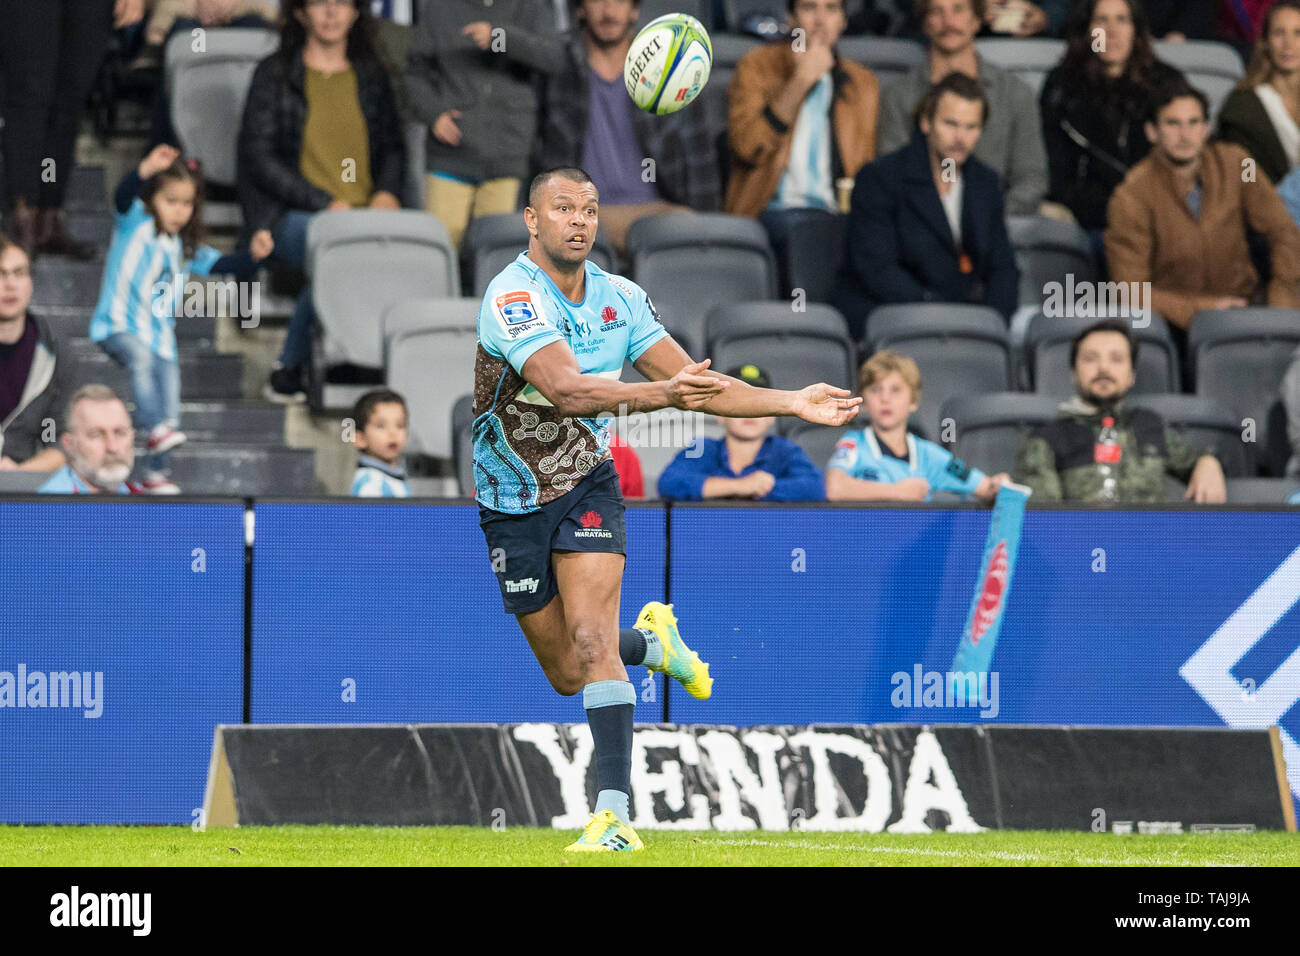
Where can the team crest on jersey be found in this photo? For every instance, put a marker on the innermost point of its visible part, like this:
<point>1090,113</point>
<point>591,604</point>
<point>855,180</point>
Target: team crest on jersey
<point>609,319</point>
<point>516,307</point>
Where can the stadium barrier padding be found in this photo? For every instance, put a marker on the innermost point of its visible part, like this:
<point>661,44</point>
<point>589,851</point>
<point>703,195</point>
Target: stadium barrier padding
<point>900,779</point>
<point>388,612</point>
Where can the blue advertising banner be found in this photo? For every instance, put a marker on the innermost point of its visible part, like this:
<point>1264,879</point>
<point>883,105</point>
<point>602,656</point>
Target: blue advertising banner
<point>829,615</point>
<point>390,612</point>
<point>122,650</point>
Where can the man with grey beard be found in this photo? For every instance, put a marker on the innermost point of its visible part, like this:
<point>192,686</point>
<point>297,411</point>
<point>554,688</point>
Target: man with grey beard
<point>97,438</point>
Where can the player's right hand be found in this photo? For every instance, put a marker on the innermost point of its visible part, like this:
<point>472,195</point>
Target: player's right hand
<point>690,389</point>
<point>912,489</point>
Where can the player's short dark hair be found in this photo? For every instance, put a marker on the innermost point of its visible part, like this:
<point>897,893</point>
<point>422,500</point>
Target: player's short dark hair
<point>1172,89</point>
<point>572,173</point>
<point>958,84</point>
<point>1106,325</point>
<point>366,404</point>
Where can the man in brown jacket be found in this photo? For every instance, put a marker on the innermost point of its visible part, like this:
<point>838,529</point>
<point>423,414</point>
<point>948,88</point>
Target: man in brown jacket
<point>1176,219</point>
<point>802,122</point>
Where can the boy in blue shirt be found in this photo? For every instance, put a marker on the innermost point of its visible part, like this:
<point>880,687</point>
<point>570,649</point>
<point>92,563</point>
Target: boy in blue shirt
<point>883,462</point>
<point>380,420</point>
<point>748,463</point>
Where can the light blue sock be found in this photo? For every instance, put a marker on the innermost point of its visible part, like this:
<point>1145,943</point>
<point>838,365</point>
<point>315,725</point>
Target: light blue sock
<point>654,649</point>
<point>615,800</point>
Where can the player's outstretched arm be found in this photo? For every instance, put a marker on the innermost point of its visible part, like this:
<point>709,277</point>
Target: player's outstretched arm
<point>553,371</point>
<point>820,403</point>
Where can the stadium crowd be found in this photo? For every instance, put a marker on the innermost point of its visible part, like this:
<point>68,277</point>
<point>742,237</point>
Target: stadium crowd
<point>922,176</point>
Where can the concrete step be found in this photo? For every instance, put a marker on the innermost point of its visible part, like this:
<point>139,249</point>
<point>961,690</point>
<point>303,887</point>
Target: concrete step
<point>260,423</point>
<point>96,227</point>
<point>228,469</point>
<point>65,283</point>
<point>207,376</point>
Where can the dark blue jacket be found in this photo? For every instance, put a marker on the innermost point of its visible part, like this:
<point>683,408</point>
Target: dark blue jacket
<point>797,478</point>
<point>899,248</point>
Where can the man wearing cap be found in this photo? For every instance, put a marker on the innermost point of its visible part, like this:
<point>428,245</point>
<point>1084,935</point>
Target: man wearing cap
<point>747,463</point>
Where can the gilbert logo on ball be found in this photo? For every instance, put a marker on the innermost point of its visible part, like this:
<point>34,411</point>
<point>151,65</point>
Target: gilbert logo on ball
<point>668,63</point>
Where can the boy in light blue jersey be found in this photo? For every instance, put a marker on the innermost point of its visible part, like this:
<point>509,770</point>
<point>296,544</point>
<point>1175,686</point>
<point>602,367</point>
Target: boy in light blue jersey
<point>380,420</point>
<point>883,462</point>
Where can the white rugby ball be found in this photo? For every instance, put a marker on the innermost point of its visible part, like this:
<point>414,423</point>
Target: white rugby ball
<point>668,63</point>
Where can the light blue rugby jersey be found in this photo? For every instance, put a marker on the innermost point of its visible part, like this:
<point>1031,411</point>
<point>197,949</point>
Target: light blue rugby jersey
<point>859,453</point>
<point>525,453</point>
<point>138,259</point>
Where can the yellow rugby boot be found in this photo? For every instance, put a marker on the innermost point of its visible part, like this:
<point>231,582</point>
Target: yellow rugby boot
<point>605,833</point>
<point>680,662</point>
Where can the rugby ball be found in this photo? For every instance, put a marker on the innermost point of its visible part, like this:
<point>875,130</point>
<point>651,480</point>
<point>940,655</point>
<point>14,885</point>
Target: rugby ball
<point>668,63</point>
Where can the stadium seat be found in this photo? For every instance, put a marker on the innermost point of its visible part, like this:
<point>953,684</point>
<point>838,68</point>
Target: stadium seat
<point>652,9</point>
<point>1029,58</point>
<point>1238,359</point>
<point>206,90</point>
<point>817,441</point>
<point>430,346</point>
<point>887,57</point>
<point>960,349</point>
<point>689,262</point>
<point>1048,251</point>
<point>813,255</point>
<point>22,482</point>
<point>361,262</point>
<point>1047,355</point>
<point>794,348</point>
<point>416,138</point>
<point>1261,491</point>
<point>1203,423</point>
<point>729,49</point>
<point>658,436</point>
<point>989,429</point>
<point>492,242</point>
<point>1213,68</point>
<point>630,374</point>
<point>462,425</point>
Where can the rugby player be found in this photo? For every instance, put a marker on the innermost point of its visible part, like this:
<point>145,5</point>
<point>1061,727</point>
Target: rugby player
<point>554,331</point>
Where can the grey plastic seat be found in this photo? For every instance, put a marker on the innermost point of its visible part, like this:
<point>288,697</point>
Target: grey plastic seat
<point>794,348</point>
<point>689,262</point>
<point>817,441</point>
<point>814,251</point>
<point>657,437</point>
<point>887,57</point>
<point>1238,359</point>
<point>1029,58</point>
<point>493,242</point>
<point>730,48</point>
<point>1049,251</point>
<point>462,424</point>
<point>990,429</point>
<point>653,9</point>
<point>360,263</point>
<point>1203,423</point>
<point>429,358</point>
<point>960,350</point>
<point>1213,68</point>
<point>1047,355</point>
<point>206,91</point>
<point>1262,491</point>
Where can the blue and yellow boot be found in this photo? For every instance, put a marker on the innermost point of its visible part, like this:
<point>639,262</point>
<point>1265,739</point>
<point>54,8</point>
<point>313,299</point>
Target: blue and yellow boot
<point>603,833</point>
<point>680,662</point>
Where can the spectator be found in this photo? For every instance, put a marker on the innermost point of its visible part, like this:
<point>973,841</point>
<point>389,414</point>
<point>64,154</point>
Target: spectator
<point>49,56</point>
<point>1058,461</point>
<point>588,120</point>
<point>926,223</point>
<point>1024,19</point>
<point>33,372</point>
<point>883,462</point>
<point>1094,105</point>
<point>748,463</point>
<point>1179,218</point>
<point>1291,403</point>
<point>380,420</point>
<point>394,24</point>
<point>97,437</point>
<point>1240,22</point>
<point>472,82</point>
<point>1013,142</point>
<point>320,132</point>
<point>156,246</point>
<point>1178,20</point>
<point>1261,114</point>
<point>628,466</point>
<point>802,123</point>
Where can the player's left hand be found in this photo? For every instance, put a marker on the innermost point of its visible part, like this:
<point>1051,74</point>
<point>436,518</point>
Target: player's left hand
<point>824,404</point>
<point>480,31</point>
<point>1207,486</point>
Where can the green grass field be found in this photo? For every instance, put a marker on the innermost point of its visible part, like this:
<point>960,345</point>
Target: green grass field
<point>472,846</point>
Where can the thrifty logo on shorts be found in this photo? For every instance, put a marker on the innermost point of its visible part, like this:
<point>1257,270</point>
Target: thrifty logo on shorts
<point>528,585</point>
